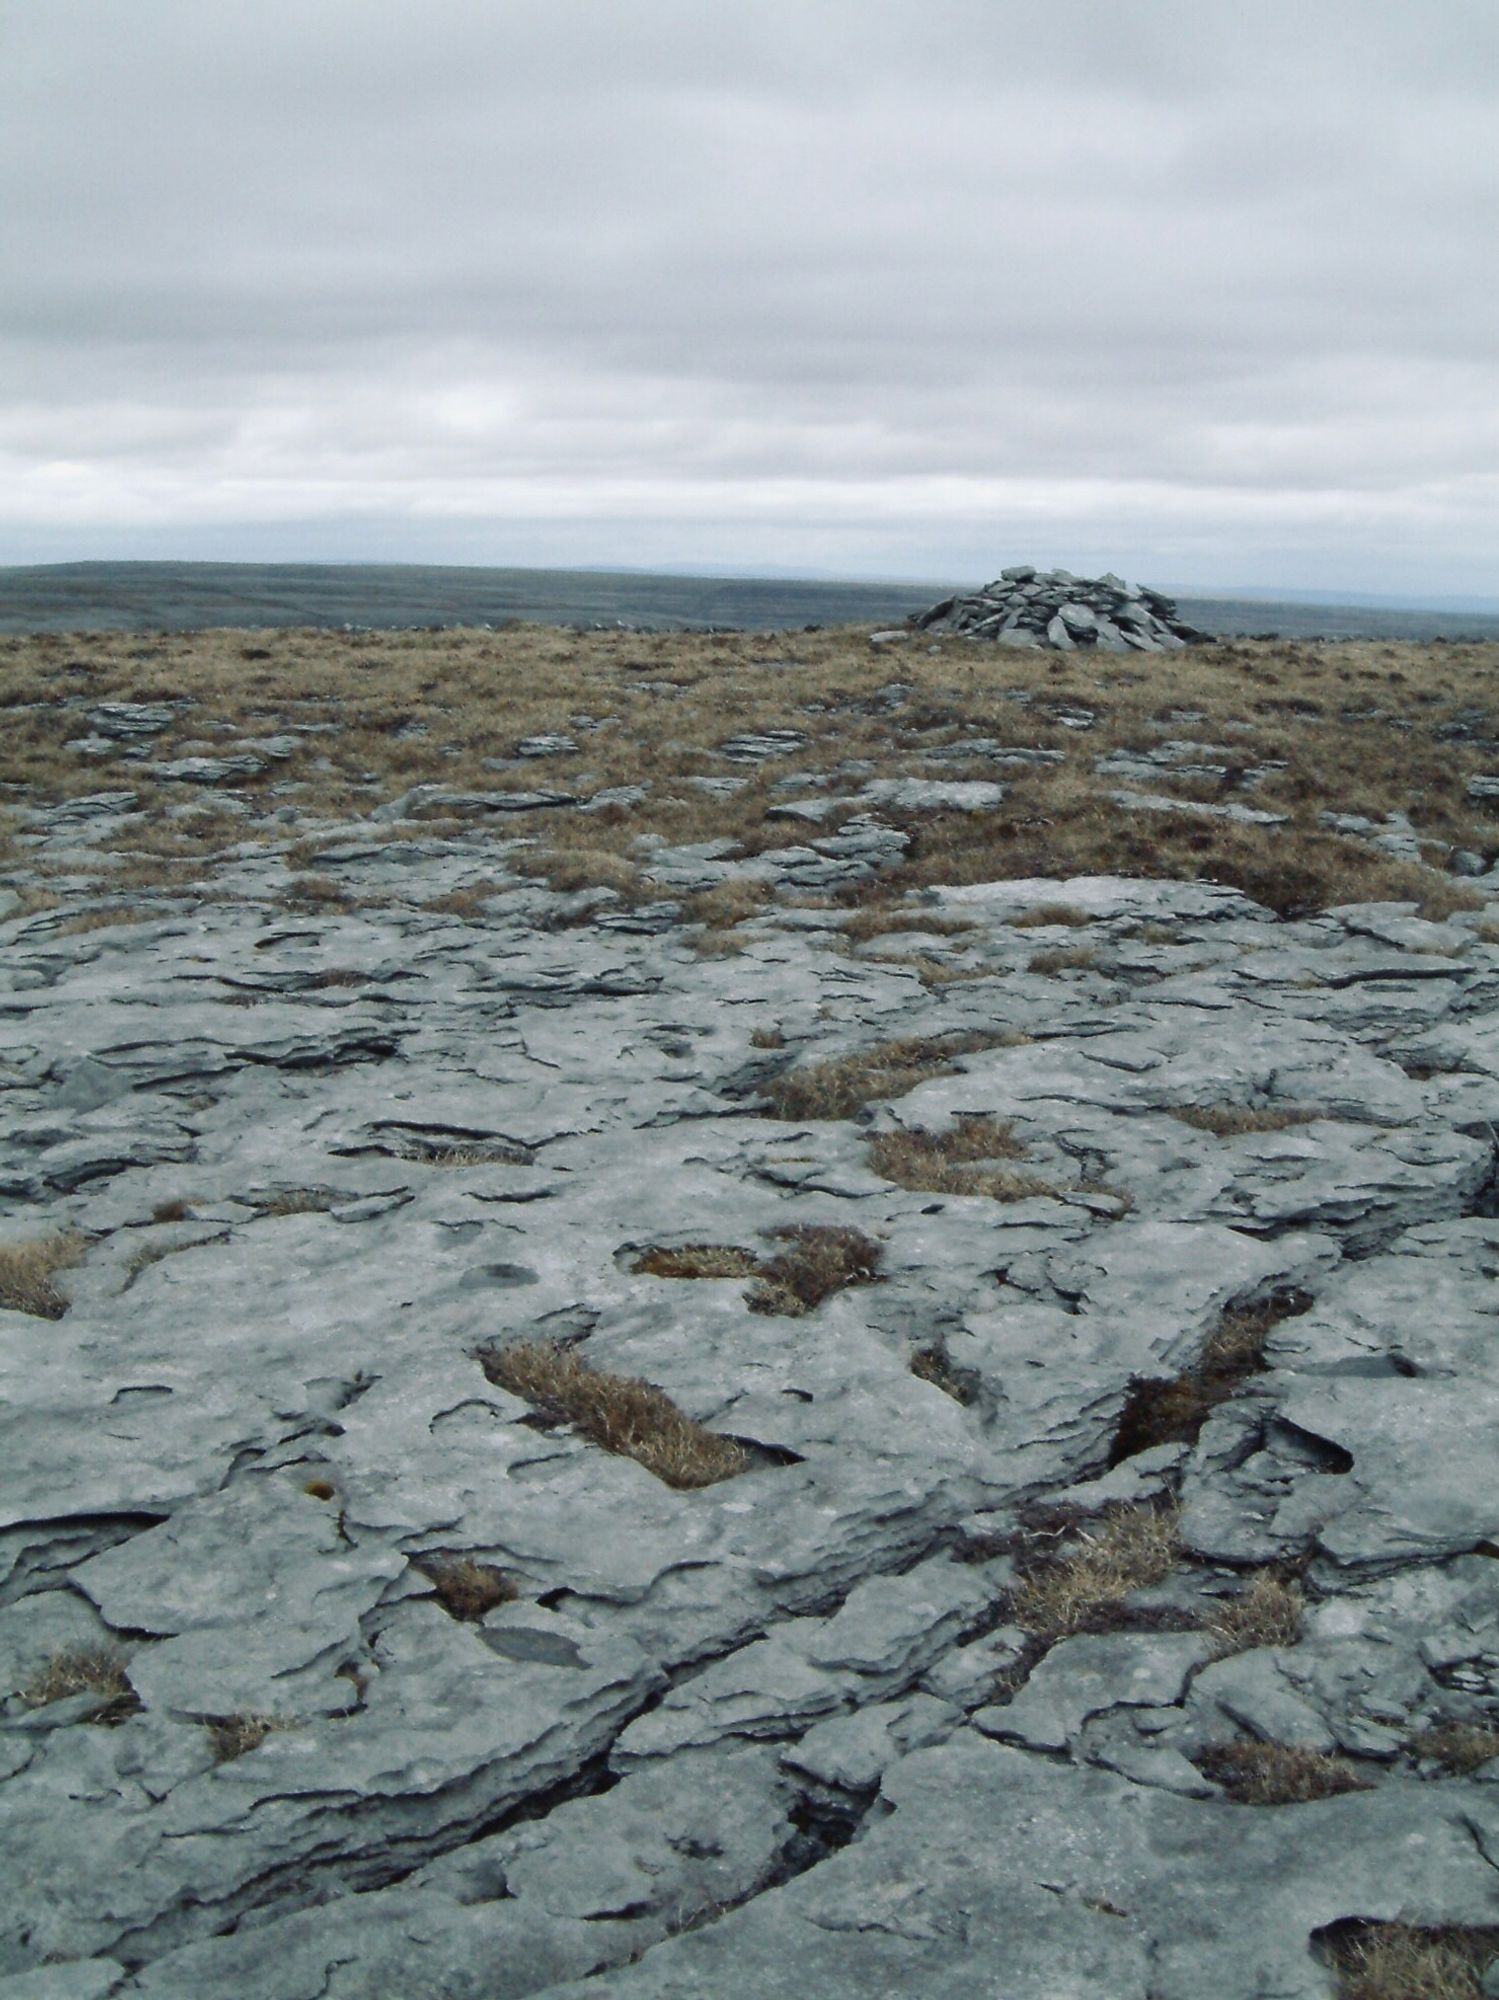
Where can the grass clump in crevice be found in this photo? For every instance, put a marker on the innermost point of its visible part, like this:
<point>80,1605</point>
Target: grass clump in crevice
<point>1080,1581</point>
<point>1459,1747</point>
<point>620,1413</point>
<point>1173,1410</point>
<point>957,1161</point>
<point>236,1735</point>
<point>697,1260</point>
<point>819,1260</point>
<point>880,920</point>
<point>467,1589</point>
<point>1051,916</point>
<point>1234,1121</point>
<point>1388,1961</point>
<point>1277,1774</point>
<point>1267,1612</point>
<point>86,1670</point>
<point>1077,959</point>
<point>295,1201</point>
<point>842,1085</point>
<point>930,1364</point>
<point>28,1271</point>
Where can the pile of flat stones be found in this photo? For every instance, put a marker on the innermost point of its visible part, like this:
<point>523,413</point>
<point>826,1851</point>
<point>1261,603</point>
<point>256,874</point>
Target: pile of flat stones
<point>1053,608</point>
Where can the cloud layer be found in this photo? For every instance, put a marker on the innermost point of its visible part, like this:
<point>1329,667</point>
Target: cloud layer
<point>881,286</point>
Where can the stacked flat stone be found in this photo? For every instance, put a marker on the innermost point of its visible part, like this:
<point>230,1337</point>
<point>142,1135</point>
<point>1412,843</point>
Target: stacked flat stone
<point>1028,607</point>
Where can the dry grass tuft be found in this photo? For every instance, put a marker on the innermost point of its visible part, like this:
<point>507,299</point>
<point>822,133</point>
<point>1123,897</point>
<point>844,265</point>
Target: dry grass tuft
<point>710,943</point>
<point>99,920</point>
<point>767,1038</point>
<point>1267,1612</point>
<point>28,1269</point>
<point>1459,1747</point>
<point>86,1671</point>
<point>467,1589</point>
<point>1277,1774</point>
<point>234,1735</point>
<point>468,903</point>
<point>843,1085</point>
<point>1129,1549</point>
<point>697,1260</point>
<point>1173,1411</point>
<point>1232,1121</point>
<point>957,1161</point>
<point>620,1413</point>
<point>880,920</point>
<point>570,869</point>
<point>1076,960</point>
<point>295,1201</point>
<point>1049,915</point>
<point>312,892</point>
<point>726,903</point>
<point>819,1260</point>
<point>1409,1962</point>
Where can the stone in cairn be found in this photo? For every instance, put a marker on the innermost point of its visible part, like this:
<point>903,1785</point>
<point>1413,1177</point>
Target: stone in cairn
<point>1053,608</point>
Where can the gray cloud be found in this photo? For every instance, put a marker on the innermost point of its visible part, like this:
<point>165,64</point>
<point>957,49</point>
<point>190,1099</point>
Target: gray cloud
<point>880,285</point>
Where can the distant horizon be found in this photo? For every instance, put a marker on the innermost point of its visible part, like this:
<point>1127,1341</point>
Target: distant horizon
<point>1331,595</point>
<point>867,293</point>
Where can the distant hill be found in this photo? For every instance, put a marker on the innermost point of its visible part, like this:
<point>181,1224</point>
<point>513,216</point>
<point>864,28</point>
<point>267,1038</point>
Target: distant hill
<point>187,596</point>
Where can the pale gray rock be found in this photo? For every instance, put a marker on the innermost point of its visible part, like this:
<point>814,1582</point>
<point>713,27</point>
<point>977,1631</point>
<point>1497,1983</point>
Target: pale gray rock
<point>1091,1675</point>
<point>323,1158</point>
<point>90,1979</point>
<point>1231,810</point>
<point>433,802</point>
<point>223,770</point>
<point>1067,1905</point>
<point>127,721</point>
<point>1250,1692</point>
<point>934,795</point>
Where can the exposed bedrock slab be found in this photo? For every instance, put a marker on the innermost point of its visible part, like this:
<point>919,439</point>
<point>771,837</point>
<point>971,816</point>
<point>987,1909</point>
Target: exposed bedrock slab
<point>319,1161</point>
<point>995,1871</point>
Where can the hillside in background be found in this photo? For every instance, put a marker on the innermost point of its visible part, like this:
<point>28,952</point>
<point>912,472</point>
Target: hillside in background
<point>188,596</point>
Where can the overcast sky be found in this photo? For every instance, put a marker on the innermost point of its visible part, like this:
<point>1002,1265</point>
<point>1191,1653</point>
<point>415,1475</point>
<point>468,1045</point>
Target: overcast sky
<point>1205,292</point>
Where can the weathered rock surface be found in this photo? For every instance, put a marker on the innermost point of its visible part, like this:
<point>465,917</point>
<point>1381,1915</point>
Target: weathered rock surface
<point>784,1733</point>
<point>1028,607</point>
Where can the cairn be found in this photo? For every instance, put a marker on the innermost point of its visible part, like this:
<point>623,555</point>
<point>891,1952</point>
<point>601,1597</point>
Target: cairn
<point>1053,608</point>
